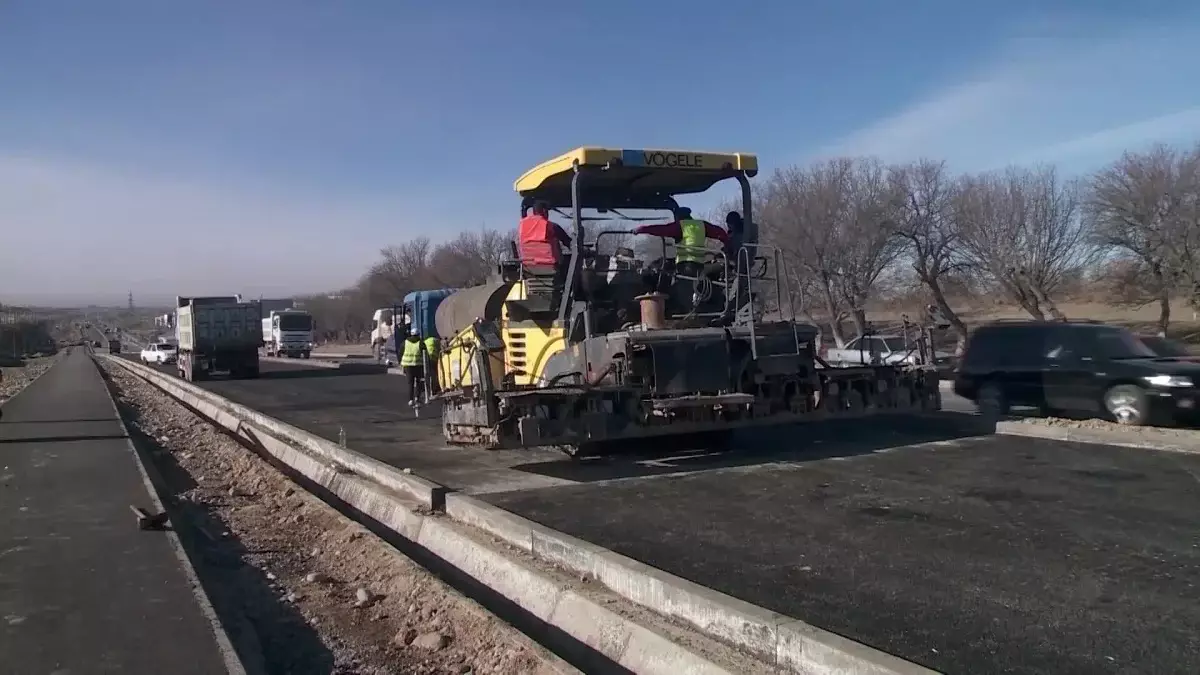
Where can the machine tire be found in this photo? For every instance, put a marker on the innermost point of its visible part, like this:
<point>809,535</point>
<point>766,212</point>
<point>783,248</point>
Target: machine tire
<point>305,355</point>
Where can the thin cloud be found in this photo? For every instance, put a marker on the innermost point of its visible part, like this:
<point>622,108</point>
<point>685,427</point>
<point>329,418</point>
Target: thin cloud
<point>1179,126</point>
<point>81,228</point>
<point>1050,95</point>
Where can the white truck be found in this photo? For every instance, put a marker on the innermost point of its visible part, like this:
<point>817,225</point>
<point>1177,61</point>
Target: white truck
<point>288,332</point>
<point>884,349</point>
<point>217,334</point>
<point>382,329</point>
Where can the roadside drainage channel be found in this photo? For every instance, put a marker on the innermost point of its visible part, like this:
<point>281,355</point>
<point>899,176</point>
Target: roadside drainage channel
<point>415,509</point>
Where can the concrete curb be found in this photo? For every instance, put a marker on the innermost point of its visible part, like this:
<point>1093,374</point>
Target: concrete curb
<point>232,416</point>
<point>778,639</point>
<point>340,355</point>
<point>1145,438</point>
<point>626,642</point>
<point>349,367</point>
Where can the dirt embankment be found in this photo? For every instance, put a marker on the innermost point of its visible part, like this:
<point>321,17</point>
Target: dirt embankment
<point>315,592</point>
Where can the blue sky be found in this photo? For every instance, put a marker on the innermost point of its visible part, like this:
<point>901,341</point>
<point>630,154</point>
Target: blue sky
<point>273,146</point>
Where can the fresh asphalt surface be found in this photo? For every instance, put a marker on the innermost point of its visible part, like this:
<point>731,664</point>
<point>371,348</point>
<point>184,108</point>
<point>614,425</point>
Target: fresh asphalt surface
<point>82,590</point>
<point>964,552</point>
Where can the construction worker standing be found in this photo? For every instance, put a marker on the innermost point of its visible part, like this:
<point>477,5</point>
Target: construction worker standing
<point>411,364</point>
<point>431,354</point>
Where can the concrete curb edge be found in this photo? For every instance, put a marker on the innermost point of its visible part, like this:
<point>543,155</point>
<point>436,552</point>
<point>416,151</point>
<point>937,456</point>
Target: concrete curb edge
<point>1144,438</point>
<point>626,642</point>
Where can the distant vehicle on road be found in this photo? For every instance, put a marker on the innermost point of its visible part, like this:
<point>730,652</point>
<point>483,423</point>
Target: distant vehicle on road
<point>880,349</point>
<point>218,334</point>
<point>288,332</point>
<point>1077,367</point>
<point>114,346</point>
<point>159,353</point>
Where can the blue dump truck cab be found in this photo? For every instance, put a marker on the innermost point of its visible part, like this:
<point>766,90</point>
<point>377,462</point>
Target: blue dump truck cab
<point>420,308</point>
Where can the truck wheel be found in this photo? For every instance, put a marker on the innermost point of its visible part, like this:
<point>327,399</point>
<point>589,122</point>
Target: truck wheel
<point>305,355</point>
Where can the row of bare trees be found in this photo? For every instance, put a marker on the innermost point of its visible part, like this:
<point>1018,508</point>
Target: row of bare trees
<point>467,260</point>
<point>854,230</point>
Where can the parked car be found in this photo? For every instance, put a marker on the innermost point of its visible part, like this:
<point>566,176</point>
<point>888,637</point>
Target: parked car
<point>1075,367</point>
<point>159,353</point>
<point>881,349</point>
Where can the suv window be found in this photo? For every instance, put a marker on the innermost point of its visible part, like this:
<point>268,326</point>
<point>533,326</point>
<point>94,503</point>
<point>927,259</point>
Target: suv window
<point>1006,347</point>
<point>1118,343</point>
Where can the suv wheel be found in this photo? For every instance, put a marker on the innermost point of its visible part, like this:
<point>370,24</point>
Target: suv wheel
<point>1127,404</point>
<point>991,401</point>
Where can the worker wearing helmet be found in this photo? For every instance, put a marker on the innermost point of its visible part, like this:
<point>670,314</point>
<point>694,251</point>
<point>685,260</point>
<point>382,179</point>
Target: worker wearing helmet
<point>690,235</point>
<point>412,364</point>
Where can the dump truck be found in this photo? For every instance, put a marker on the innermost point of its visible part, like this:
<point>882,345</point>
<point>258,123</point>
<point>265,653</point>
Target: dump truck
<point>608,347</point>
<point>288,332</point>
<point>217,334</point>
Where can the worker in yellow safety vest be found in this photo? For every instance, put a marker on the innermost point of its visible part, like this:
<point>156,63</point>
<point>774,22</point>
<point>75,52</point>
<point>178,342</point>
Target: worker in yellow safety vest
<point>412,364</point>
<point>690,235</point>
<point>431,354</point>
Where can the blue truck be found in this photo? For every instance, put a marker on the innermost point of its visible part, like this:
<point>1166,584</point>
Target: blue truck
<point>420,310</point>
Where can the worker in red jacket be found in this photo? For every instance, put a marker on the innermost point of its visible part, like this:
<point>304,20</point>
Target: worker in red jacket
<point>540,240</point>
<point>691,237</point>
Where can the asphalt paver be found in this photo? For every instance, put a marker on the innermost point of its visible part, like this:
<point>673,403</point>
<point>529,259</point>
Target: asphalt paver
<point>82,589</point>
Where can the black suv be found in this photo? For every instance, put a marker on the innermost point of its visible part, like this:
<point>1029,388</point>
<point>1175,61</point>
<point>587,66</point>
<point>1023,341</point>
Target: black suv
<point>1076,367</point>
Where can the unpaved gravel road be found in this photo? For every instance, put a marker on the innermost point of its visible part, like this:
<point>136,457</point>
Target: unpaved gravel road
<point>316,592</point>
<point>13,380</point>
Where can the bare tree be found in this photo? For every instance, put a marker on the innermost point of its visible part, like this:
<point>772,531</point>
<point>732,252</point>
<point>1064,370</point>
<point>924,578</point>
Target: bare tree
<point>922,217</point>
<point>470,259</point>
<point>1021,229</point>
<point>831,222</point>
<point>1141,206</point>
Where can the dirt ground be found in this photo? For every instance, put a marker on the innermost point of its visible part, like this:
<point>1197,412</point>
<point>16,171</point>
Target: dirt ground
<point>320,593</point>
<point>1171,434</point>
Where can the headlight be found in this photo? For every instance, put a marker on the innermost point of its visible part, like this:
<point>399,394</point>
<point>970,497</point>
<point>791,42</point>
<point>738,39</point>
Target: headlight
<point>1169,381</point>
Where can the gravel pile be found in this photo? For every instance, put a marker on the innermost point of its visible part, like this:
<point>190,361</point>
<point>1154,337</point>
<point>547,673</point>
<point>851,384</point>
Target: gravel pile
<point>317,592</point>
<point>16,379</point>
<point>1191,435</point>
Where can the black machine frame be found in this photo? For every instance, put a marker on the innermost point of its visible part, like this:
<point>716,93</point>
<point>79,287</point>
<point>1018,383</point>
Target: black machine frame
<point>627,200</point>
